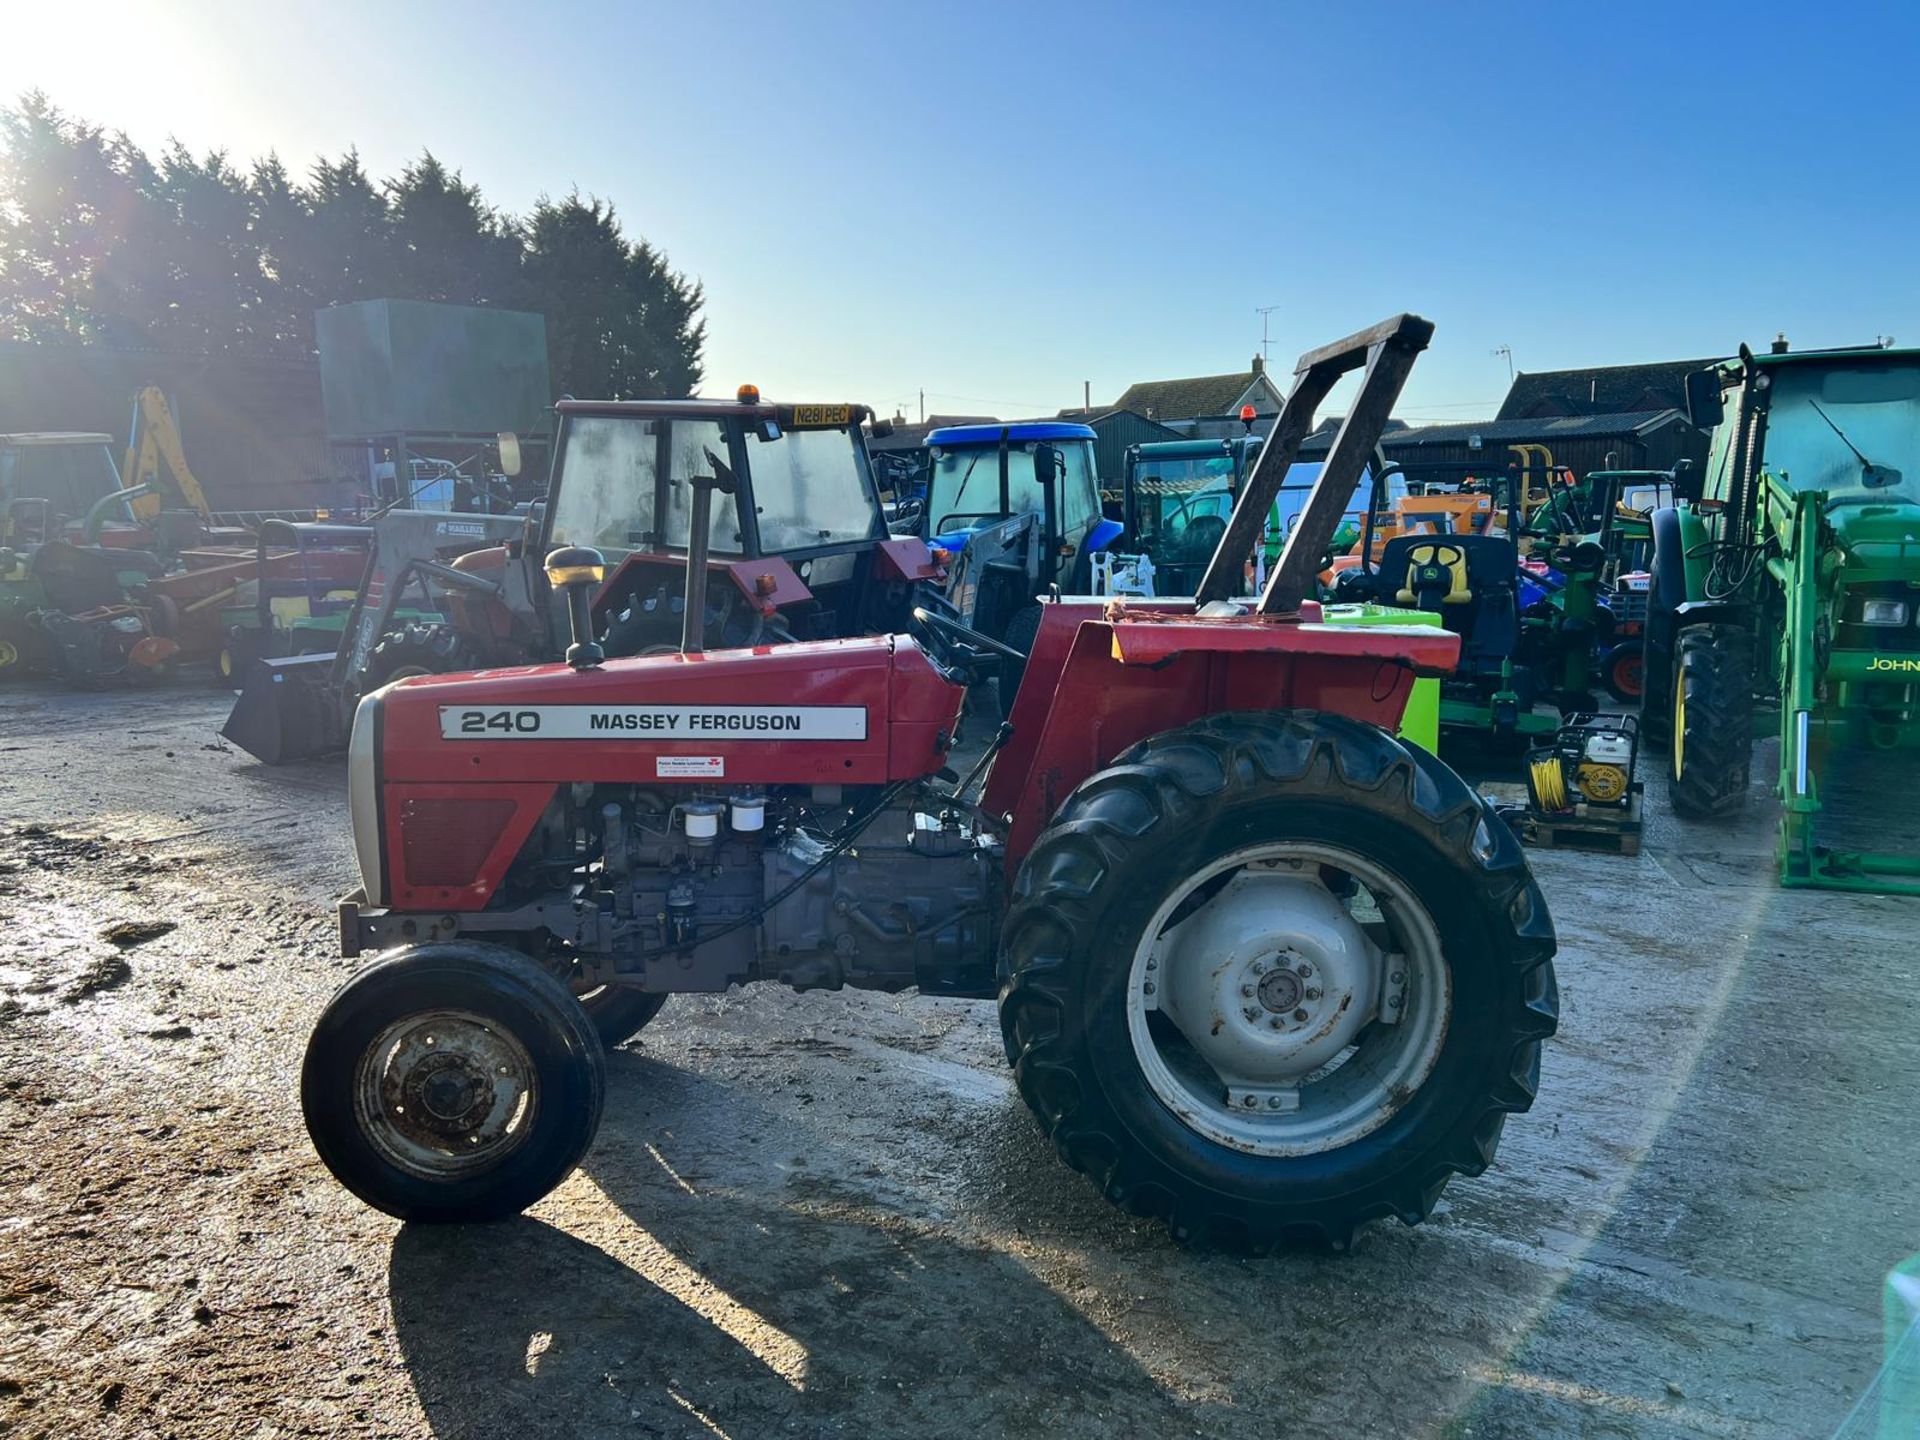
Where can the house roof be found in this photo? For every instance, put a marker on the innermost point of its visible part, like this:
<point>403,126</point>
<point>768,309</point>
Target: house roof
<point>1600,390</point>
<point>914,436</point>
<point>1186,399</point>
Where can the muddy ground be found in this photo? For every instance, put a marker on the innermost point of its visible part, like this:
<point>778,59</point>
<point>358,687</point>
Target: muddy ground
<point>829,1215</point>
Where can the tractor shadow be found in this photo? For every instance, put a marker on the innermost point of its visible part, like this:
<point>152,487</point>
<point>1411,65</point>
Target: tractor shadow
<point>746,1280</point>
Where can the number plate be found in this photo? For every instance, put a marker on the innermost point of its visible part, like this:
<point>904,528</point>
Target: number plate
<point>820,417</point>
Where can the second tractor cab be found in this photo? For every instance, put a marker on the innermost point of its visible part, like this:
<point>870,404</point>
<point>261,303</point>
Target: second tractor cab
<point>1018,507</point>
<point>1263,971</point>
<point>797,545</point>
<point>1176,498</point>
<point>1786,593</point>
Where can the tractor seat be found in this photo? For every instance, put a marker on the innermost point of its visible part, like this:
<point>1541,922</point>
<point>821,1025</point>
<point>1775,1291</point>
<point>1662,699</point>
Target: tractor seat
<point>76,578</point>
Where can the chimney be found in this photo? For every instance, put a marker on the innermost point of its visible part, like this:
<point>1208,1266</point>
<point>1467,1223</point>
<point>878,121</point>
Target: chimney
<point>1259,365</point>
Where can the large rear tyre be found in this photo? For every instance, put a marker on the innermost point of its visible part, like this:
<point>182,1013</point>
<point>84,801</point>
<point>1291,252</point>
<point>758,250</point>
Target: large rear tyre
<point>420,650</point>
<point>452,1082</point>
<point>1020,632</point>
<point>1712,721</point>
<point>619,1012</point>
<point>1271,976</point>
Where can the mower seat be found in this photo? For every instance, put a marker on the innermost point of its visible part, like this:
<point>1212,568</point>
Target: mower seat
<point>1436,575</point>
<point>1471,580</point>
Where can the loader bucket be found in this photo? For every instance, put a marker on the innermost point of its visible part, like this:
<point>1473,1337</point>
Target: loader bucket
<point>287,710</point>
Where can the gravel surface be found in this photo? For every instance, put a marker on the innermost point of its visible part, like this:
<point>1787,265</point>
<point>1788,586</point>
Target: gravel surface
<point>829,1215</point>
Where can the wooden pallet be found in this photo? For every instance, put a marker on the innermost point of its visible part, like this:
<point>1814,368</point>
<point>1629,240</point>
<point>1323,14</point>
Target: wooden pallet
<point>1599,830</point>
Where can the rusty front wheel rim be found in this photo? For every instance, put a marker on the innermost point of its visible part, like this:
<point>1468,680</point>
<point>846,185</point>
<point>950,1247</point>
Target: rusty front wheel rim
<point>443,1094</point>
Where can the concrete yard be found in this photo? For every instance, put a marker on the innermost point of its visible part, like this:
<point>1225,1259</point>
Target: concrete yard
<point>829,1214</point>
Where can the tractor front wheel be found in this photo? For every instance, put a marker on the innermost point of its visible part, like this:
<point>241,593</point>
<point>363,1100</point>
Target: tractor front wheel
<point>1271,976</point>
<point>452,1082</point>
<point>1712,721</point>
<point>420,650</point>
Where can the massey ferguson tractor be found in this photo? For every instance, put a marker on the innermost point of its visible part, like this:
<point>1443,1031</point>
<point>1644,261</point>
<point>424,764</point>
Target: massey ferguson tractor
<point>1263,970</point>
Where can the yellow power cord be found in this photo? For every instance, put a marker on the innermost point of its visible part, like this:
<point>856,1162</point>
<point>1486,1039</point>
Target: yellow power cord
<point>1549,782</point>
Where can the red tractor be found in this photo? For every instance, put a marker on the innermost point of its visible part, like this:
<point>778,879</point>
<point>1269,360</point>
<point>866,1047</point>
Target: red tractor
<point>1264,970</point>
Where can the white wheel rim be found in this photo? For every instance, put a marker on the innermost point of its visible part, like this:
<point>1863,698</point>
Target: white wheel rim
<point>1291,1021</point>
<point>445,1093</point>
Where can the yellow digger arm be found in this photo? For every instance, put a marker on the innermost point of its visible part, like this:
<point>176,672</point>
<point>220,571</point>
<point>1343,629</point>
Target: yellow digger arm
<point>153,445</point>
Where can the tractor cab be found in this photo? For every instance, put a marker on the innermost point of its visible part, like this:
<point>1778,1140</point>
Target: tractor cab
<point>56,485</point>
<point>1176,500</point>
<point>797,524</point>
<point>1018,509</point>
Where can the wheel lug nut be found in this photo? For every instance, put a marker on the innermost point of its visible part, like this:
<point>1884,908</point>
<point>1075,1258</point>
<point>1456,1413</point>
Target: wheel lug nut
<point>1275,1022</point>
<point>1303,970</point>
<point>1147,989</point>
<point>1250,1102</point>
<point>1299,1014</point>
<point>1250,1012</point>
<point>1247,991</point>
<point>1313,994</point>
<point>1397,977</point>
<point>1273,1102</point>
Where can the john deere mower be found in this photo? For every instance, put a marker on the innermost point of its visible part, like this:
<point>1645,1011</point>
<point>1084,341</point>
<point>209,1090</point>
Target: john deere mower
<point>1786,591</point>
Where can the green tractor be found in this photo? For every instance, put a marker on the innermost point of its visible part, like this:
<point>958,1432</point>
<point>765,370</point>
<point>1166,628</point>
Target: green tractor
<point>1784,589</point>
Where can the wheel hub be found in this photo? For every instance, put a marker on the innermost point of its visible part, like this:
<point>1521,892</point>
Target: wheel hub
<point>1305,998</point>
<point>445,1092</point>
<point>1270,980</point>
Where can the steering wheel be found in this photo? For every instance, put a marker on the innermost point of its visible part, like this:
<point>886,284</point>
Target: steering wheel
<point>958,646</point>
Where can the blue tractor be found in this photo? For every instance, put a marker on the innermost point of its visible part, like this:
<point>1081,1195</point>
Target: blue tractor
<point>1017,507</point>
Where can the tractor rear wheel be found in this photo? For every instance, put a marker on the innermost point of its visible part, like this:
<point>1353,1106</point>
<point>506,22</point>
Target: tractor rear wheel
<point>1712,721</point>
<point>420,650</point>
<point>452,1082</point>
<point>1271,976</point>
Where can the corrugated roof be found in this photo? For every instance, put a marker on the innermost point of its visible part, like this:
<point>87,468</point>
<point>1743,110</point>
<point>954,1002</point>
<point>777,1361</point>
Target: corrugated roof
<point>1546,428</point>
<point>1600,390</point>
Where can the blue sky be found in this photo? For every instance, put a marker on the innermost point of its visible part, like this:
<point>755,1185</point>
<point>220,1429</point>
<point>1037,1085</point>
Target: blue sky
<point>996,202</point>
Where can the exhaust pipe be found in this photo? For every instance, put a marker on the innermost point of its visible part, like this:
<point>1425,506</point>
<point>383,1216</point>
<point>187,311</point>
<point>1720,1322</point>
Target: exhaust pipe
<point>693,624</point>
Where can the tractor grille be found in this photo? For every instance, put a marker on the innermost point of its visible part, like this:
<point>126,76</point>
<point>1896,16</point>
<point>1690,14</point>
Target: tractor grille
<point>1629,607</point>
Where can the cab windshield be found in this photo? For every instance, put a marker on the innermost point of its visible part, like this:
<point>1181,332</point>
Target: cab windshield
<point>964,491</point>
<point>624,485</point>
<point>1816,410</point>
<point>1175,492</point>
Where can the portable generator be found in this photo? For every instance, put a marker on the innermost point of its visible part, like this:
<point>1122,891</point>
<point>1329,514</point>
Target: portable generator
<point>1588,766</point>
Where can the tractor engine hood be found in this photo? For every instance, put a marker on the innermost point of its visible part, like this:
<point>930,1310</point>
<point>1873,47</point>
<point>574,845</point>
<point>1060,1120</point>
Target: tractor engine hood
<point>449,774</point>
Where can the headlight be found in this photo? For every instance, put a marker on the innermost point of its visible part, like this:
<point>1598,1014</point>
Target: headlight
<point>1883,612</point>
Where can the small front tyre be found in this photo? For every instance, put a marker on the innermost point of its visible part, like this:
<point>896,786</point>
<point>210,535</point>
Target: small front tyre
<point>1271,976</point>
<point>452,1082</point>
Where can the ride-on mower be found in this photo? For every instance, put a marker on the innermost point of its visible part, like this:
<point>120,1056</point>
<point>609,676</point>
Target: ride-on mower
<point>1263,970</point>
